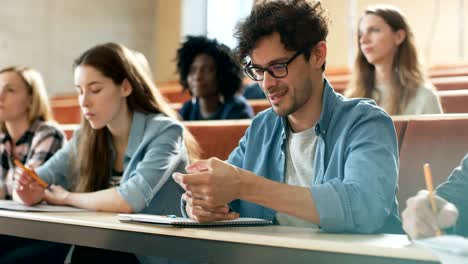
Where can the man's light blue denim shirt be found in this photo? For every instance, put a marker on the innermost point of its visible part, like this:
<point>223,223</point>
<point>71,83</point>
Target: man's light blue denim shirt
<point>155,150</point>
<point>356,164</point>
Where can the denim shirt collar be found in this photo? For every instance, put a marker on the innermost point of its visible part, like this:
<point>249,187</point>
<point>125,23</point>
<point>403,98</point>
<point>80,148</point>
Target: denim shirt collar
<point>137,131</point>
<point>328,105</point>
<point>135,136</point>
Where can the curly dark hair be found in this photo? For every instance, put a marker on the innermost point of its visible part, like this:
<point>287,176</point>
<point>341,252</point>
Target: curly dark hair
<point>300,23</point>
<point>228,70</point>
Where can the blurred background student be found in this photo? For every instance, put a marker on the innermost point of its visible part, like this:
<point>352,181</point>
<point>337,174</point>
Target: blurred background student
<point>387,68</point>
<point>213,77</point>
<point>28,134</point>
<point>128,145</point>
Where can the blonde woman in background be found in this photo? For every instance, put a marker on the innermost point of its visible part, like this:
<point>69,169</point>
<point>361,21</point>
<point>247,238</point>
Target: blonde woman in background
<point>387,67</point>
<point>29,135</point>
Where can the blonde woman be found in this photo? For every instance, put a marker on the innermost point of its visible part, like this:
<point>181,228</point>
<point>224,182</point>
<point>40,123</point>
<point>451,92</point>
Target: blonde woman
<point>128,145</point>
<point>387,68</point>
<point>29,135</point>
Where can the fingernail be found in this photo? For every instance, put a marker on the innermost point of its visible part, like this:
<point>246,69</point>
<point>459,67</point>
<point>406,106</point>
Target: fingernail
<point>191,169</point>
<point>176,176</point>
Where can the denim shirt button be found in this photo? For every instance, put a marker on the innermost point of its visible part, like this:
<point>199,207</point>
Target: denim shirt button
<point>317,129</point>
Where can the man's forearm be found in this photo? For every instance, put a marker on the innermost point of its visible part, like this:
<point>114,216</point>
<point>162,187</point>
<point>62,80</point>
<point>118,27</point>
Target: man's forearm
<point>293,200</point>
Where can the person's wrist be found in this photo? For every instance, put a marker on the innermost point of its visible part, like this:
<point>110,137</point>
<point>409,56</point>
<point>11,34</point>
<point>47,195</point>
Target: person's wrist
<point>68,198</point>
<point>244,178</point>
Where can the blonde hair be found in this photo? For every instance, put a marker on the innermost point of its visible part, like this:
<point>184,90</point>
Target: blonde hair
<point>118,63</point>
<point>40,106</point>
<point>407,73</point>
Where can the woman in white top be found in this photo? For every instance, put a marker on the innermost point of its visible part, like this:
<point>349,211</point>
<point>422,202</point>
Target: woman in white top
<point>387,68</point>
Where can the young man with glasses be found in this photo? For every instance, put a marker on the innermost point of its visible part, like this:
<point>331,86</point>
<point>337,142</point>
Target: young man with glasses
<point>313,159</point>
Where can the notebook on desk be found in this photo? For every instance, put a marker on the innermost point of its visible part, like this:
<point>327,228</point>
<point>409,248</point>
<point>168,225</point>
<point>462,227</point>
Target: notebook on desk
<point>16,206</point>
<point>187,222</point>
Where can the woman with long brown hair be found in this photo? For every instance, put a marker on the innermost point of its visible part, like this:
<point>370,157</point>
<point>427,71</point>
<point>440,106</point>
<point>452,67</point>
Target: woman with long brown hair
<point>128,145</point>
<point>387,67</point>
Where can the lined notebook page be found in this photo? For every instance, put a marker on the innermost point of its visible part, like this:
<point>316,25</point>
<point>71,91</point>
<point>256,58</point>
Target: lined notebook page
<point>186,222</point>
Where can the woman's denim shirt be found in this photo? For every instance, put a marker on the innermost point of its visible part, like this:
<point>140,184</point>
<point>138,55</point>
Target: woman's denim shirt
<point>155,150</point>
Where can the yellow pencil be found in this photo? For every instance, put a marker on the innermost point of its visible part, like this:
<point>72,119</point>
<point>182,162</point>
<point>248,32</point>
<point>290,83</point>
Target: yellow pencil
<point>32,173</point>
<point>430,189</point>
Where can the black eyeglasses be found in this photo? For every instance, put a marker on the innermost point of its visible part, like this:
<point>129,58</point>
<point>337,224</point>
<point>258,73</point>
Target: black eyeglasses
<point>277,70</point>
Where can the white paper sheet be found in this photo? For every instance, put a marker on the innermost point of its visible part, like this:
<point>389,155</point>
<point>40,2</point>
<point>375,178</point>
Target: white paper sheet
<point>449,249</point>
<point>15,206</point>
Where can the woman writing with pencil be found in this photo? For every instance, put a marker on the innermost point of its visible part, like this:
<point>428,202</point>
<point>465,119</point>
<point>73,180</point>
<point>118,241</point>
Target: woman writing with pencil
<point>28,135</point>
<point>420,220</point>
<point>128,145</point>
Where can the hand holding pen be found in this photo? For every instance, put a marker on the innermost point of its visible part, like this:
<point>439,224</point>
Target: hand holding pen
<point>430,189</point>
<point>32,174</point>
<point>427,213</point>
<point>28,186</point>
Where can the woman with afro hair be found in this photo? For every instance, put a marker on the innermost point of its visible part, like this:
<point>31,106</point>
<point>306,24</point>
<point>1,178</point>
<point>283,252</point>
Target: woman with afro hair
<point>213,77</point>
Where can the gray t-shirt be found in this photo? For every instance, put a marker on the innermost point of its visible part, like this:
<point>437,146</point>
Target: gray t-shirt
<point>299,168</point>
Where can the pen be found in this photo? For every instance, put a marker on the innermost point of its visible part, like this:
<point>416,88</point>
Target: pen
<point>430,189</point>
<point>31,173</point>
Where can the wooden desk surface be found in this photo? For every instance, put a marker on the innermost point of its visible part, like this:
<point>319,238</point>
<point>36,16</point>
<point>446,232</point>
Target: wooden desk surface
<point>266,244</point>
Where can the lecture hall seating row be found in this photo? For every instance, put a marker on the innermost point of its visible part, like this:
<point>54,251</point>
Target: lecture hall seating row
<point>439,140</point>
<point>454,101</point>
<point>173,92</point>
<point>445,77</point>
<point>67,111</point>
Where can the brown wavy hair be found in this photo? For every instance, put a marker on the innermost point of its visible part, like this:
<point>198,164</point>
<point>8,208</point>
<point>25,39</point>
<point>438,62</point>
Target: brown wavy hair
<point>118,63</point>
<point>406,68</point>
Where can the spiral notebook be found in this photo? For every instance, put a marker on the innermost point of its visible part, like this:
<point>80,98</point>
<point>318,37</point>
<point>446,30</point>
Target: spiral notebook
<point>187,222</point>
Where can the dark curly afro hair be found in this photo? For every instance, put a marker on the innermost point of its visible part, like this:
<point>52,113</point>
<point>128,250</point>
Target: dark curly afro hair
<point>228,70</point>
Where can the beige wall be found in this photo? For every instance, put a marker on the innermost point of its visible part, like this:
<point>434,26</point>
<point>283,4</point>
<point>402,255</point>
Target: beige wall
<point>442,48</point>
<point>167,32</point>
<point>338,38</point>
<point>48,34</point>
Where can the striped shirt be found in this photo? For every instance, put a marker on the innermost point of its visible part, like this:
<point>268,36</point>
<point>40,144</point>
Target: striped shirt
<point>33,148</point>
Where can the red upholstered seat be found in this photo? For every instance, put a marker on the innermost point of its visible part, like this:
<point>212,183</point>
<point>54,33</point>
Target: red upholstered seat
<point>400,123</point>
<point>450,83</point>
<point>66,111</point>
<point>218,138</point>
<point>440,140</point>
<point>455,101</point>
<point>259,105</point>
